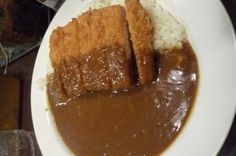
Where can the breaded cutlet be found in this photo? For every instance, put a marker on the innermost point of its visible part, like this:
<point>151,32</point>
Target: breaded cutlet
<point>141,31</point>
<point>90,41</point>
<point>63,47</point>
<point>104,29</point>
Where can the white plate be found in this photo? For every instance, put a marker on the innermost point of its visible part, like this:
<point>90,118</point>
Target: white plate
<point>211,35</point>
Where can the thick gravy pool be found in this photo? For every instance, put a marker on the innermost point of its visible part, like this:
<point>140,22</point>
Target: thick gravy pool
<point>141,121</point>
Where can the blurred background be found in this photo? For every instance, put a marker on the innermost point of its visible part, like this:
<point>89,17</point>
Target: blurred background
<point>22,26</point>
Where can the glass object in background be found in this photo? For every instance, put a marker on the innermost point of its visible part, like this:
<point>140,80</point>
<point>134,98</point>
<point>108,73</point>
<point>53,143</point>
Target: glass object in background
<point>54,4</point>
<point>18,143</point>
<point>22,26</point>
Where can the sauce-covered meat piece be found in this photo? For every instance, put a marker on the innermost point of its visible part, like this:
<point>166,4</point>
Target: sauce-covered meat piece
<point>64,55</point>
<point>144,120</point>
<point>96,44</point>
<point>141,30</point>
<point>103,30</point>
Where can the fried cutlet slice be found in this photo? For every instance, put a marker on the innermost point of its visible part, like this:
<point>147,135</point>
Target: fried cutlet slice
<point>56,47</point>
<point>97,44</point>
<point>64,57</point>
<point>119,67</point>
<point>57,87</point>
<point>101,31</point>
<point>141,30</point>
<point>95,71</point>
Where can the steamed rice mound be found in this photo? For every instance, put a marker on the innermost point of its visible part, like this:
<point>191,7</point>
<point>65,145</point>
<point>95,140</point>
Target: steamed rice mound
<point>169,33</point>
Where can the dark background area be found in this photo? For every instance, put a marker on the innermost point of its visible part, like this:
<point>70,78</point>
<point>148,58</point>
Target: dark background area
<point>230,6</point>
<point>229,147</point>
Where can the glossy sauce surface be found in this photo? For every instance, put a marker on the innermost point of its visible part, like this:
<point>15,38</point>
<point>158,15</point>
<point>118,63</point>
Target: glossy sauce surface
<point>140,121</point>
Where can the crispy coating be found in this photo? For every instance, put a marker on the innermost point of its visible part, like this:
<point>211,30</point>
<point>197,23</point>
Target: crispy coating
<point>63,45</point>
<point>103,27</point>
<point>141,30</point>
<point>92,30</point>
<point>88,40</point>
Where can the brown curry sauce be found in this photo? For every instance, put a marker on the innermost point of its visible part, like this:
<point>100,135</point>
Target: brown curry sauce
<point>143,120</point>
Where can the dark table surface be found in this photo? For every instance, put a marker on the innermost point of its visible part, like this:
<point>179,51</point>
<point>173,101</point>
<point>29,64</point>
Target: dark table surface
<point>24,73</point>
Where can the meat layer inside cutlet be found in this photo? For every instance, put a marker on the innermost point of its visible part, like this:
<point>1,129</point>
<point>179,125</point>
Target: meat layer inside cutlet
<point>141,30</point>
<point>97,46</point>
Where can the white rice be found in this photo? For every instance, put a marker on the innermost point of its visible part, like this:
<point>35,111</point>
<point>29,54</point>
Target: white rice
<point>168,34</point>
